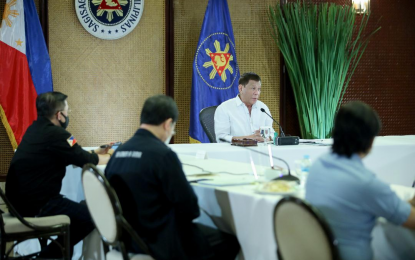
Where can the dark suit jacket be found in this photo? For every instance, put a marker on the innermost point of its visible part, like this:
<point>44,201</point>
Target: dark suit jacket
<point>156,198</point>
<point>39,165</point>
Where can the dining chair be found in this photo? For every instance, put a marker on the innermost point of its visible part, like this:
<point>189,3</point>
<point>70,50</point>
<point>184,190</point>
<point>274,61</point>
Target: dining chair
<point>14,228</point>
<point>301,232</point>
<point>106,212</point>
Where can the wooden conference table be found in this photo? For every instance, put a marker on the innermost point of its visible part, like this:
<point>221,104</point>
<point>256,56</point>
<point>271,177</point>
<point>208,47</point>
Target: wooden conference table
<point>230,202</point>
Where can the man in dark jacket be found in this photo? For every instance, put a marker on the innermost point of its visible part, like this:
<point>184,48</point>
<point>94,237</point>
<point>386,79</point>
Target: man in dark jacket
<point>156,198</point>
<point>36,171</point>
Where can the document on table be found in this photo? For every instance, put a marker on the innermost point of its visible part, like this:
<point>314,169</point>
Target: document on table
<point>222,172</point>
<point>192,170</point>
<point>404,193</point>
<point>192,166</point>
<point>228,181</point>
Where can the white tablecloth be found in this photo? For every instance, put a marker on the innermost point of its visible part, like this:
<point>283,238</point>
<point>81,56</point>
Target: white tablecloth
<point>391,157</point>
<point>251,217</point>
<point>238,209</point>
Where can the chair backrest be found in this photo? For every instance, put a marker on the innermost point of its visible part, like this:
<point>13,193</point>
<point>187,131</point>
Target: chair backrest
<point>207,120</point>
<point>301,232</point>
<point>12,231</point>
<point>101,200</point>
<point>16,214</point>
<point>105,209</point>
<point>9,206</point>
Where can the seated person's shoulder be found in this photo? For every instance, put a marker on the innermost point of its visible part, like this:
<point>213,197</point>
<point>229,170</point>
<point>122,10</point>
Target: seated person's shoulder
<point>364,181</point>
<point>45,127</point>
<point>227,103</point>
<point>57,133</point>
<point>49,134</point>
<point>165,153</point>
<point>149,148</point>
<point>224,107</point>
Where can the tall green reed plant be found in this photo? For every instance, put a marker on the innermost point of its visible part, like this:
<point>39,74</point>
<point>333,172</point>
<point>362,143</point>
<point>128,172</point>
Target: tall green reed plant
<point>322,45</point>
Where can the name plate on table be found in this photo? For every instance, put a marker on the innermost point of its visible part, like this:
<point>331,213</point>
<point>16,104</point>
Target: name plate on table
<point>200,154</point>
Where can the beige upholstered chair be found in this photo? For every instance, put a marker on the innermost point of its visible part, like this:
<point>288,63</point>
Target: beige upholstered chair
<point>106,212</point>
<point>301,232</point>
<point>15,228</point>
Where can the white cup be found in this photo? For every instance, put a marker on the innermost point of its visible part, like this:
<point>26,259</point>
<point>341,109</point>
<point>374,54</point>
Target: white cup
<point>265,132</point>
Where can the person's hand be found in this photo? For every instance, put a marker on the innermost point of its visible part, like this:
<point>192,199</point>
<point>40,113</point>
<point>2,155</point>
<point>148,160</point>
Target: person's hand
<point>257,136</point>
<point>105,150</point>
<point>412,201</point>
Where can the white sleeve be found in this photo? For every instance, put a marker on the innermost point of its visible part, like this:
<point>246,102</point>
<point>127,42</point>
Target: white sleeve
<point>222,125</point>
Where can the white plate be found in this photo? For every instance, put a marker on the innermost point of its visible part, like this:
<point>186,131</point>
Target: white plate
<point>261,189</point>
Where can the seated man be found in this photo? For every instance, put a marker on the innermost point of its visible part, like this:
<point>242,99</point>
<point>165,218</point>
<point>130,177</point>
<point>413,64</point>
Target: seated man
<point>348,195</point>
<point>36,171</point>
<point>241,117</point>
<point>155,196</point>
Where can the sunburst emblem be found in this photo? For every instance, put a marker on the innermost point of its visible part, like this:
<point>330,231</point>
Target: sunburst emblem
<point>219,61</point>
<point>110,6</point>
<point>8,12</point>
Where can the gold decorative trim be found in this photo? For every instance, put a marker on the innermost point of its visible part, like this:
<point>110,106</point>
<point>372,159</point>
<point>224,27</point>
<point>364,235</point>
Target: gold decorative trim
<point>8,128</point>
<point>193,141</point>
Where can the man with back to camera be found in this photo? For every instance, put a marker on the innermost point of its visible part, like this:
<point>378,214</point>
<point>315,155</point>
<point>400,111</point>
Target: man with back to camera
<point>34,179</point>
<point>241,117</point>
<point>348,195</point>
<point>155,196</point>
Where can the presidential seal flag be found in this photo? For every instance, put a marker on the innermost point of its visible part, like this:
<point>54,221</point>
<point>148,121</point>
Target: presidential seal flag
<point>25,70</point>
<point>109,19</point>
<point>215,70</point>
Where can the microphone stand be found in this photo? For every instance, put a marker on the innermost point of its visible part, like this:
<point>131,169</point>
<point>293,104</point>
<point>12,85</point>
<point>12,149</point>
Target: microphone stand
<point>287,177</point>
<point>282,132</point>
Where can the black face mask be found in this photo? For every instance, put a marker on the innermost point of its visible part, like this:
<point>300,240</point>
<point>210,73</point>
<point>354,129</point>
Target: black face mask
<point>64,125</point>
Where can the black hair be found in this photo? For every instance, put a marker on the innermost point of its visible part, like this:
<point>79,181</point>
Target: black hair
<point>48,103</point>
<point>246,77</point>
<point>355,126</point>
<point>158,109</point>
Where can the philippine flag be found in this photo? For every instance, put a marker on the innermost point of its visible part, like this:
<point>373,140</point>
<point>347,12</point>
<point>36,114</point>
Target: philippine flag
<point>25,70</point>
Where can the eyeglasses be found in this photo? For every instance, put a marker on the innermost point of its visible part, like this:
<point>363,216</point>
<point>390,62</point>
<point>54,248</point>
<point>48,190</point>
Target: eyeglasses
<point>69,111</point>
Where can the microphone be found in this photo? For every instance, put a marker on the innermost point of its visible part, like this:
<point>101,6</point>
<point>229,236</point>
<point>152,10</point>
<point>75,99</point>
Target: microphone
<point>283,140</point>
<point>282,132</point>
<point>287,177</point>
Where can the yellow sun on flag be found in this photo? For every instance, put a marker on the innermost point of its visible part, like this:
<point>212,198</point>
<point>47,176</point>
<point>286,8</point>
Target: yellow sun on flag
<point>219,61</point>
<point>8,12</point>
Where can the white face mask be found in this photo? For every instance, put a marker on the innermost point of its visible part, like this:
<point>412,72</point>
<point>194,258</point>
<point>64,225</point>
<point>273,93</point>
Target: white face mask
<point>170,136</point>
<point>168,140</point>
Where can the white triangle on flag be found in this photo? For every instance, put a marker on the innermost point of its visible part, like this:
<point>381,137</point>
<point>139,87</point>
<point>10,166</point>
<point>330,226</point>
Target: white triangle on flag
<point>12,30</point>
